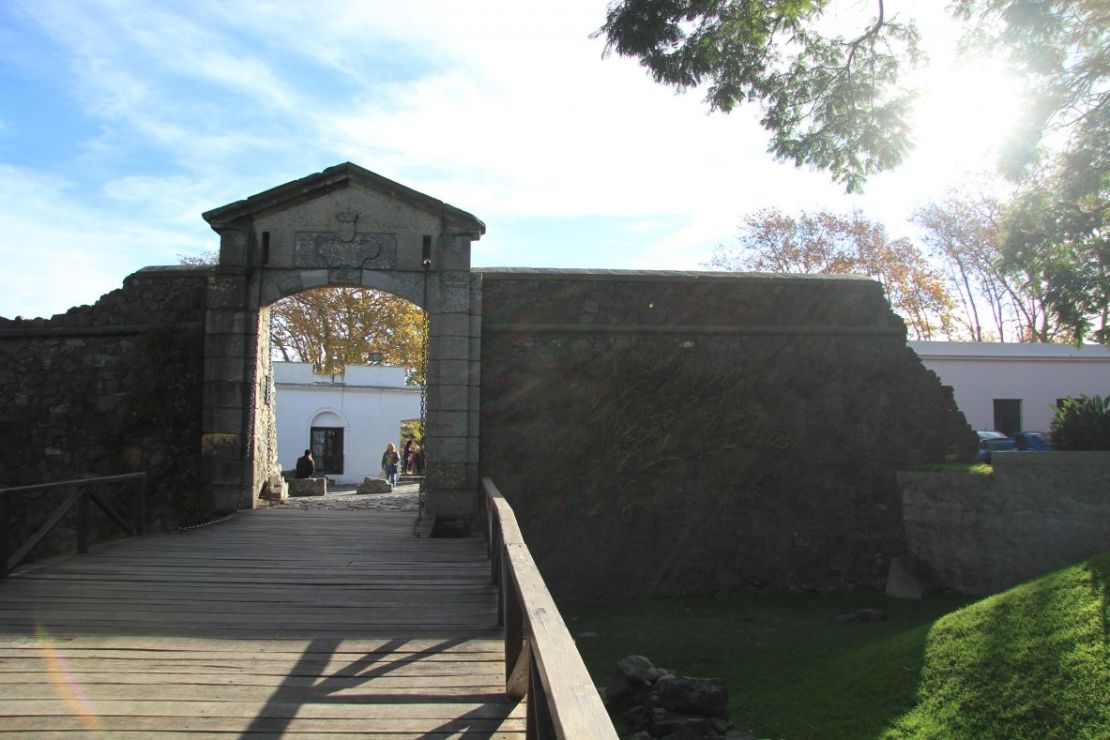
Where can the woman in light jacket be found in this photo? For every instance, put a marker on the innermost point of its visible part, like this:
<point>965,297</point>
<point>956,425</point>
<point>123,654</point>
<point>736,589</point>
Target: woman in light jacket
<point>389,463</point>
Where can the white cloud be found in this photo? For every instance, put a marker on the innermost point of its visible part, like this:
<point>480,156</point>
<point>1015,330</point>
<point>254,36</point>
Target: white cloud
<point>59,252</point>
<point>504,109</point>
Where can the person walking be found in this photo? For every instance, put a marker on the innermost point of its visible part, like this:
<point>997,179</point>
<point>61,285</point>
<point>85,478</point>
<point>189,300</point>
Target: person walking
<point>390,459</point>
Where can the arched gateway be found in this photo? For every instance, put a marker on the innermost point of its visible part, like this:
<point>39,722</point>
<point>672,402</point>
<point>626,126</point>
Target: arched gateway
<point>345,226</point>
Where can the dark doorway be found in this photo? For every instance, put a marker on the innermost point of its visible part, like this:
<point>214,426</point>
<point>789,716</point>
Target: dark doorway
<point>1007,415</point>
<point>327,448</point>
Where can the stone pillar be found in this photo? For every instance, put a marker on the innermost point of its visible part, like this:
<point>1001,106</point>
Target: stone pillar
<point>263,446</point>
<point>230,346</point>
<point>452,432</point>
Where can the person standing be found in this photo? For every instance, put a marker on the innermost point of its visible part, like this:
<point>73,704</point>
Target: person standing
<point>406,457</point>
<point>390,459</point>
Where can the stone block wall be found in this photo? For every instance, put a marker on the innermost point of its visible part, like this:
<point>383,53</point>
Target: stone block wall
<point>665,433</point>
<point>110,388</point>
<point>982,533</point>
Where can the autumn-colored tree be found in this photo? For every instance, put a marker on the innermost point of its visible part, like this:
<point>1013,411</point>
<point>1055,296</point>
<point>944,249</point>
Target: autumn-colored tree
<point>333,327</point>
<point>963,235</point>
<point>1002,297</point>
<point>828,243</point>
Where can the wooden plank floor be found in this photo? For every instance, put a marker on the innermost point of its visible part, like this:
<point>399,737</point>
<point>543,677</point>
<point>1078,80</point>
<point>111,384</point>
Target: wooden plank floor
<point>279,622</point>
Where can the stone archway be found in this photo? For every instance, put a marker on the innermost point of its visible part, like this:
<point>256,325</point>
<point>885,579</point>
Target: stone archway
<point>345,226</point>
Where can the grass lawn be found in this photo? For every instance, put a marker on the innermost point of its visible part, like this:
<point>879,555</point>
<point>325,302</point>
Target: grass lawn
<point>975,468</point>
<point>1031,662</point>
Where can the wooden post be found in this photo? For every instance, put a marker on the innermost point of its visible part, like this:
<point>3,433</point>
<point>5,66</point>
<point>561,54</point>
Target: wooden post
<point>140,507</point>
<point>5,538</point>
<point>538,725</point>
<point>83,521</point>
<point>511,617</point>
<point>500,581</point>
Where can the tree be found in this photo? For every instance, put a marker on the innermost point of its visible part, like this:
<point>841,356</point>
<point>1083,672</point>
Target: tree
<point>836,103</point>
<point>207,258</point>
<point>1062,242</point>
<point>827,243</point>
<point>333,327</point>
<point>1060,152</point>
<point>1000,298</point>
<point>1062,49</point>
<point>829,101</point>
<point>963,235</point>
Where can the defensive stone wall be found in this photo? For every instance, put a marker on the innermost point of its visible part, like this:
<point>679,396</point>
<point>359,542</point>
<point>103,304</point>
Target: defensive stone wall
<point>665,433</point>
<point>982,533</point>
<point>110,388</point>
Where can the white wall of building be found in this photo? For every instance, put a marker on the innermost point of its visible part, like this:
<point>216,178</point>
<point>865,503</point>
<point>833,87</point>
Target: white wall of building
<point>368,403</point>
<point>1038,374</point>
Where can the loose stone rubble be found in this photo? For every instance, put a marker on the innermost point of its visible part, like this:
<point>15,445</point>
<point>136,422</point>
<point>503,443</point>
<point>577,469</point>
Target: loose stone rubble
<point>655,703</point>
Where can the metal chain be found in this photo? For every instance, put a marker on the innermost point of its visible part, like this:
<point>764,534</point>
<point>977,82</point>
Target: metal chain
<point>202,525</point>
<point>423,490</point>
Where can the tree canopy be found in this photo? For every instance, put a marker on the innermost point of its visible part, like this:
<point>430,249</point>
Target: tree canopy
<point>827,243</point>
<point>837,103</point>
<point>333,327</point>
<point>1059,222</point>
<point>1001,298</point>
<point>830,101</point>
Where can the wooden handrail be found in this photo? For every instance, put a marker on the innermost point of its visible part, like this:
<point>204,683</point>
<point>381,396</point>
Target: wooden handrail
<point>81,498</point>
<point>541,659</point>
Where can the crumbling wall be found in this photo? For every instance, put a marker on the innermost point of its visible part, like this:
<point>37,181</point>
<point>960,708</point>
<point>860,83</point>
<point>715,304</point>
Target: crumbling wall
<point>664,433</point>
<point>106,389</point>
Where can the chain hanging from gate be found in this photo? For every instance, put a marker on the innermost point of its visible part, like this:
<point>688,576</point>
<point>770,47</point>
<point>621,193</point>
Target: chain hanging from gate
<point>426,331</point>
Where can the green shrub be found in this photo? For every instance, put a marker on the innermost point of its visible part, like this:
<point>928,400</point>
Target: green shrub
<point>1082,424</point>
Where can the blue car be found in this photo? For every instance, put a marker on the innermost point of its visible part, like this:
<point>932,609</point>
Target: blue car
<point>1032,442</point>
<point>989,442</point>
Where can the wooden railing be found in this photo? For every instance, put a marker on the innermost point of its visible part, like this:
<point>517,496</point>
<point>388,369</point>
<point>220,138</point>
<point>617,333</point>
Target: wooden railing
<point>81,497</point>
<point>541,660</point>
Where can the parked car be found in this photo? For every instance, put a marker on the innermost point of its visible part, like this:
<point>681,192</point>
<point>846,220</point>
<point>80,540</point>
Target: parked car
<point>1032,442</point>
<point>990,441</point>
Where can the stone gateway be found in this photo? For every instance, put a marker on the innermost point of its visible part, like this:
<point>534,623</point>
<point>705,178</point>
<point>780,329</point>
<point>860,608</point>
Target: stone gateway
<point>655,432</point>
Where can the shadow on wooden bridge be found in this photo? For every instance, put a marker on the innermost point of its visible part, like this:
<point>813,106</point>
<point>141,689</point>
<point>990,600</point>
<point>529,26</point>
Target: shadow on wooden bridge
<point>276,622</point>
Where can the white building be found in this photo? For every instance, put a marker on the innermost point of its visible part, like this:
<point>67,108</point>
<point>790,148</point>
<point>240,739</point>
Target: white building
<point>1015,387</point>
<point>346,420</point>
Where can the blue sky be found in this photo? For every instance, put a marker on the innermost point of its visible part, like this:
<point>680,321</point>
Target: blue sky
<point>121,121</point>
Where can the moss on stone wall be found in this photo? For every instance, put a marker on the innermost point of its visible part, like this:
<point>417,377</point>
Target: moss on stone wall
<point>158,428</point>
<point>660,419</point>
<point>108,389</point>
<point>647,457</point>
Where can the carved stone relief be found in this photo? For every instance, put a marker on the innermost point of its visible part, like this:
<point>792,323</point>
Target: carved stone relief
<point>328,249</point>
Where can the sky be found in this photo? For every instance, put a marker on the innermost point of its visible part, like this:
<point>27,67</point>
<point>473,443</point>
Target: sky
<point>121,121</point>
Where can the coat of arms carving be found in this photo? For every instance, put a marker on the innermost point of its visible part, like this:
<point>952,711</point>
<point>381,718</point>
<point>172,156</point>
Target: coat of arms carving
<point>347,221</point>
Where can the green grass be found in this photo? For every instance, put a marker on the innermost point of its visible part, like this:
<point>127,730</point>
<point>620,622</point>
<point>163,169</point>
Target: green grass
<point>975,468</point>
<point>1033,662</point>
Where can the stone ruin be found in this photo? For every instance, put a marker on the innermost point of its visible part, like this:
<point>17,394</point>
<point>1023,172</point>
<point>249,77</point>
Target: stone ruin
<point>655,703</point>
